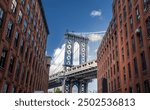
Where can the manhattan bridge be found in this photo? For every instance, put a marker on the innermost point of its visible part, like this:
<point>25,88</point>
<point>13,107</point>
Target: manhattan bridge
<point>75,75</point>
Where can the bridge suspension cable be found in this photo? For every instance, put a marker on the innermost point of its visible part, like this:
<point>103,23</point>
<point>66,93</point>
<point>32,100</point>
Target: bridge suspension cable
<point>62,50</point>
<point>60,44</point>
<point>87,33</point>
<point>60,64</point>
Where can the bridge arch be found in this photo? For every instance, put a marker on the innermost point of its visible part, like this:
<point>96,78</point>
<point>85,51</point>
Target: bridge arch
<point>71,39</point>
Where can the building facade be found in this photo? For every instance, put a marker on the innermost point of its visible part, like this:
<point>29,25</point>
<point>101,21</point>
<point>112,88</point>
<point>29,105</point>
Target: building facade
<point>23,36</point>
<point>124,54</point>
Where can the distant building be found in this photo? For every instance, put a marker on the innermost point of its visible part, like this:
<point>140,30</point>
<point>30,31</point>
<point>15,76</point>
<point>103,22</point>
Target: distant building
<point>124,54</point>
<point>23,37</point>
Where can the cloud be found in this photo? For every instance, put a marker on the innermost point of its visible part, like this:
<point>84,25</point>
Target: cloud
<point>95,37</point>
<point>96,13</point>
<point>57,60</point>
<point>96,50</point>
<point>58,55</point>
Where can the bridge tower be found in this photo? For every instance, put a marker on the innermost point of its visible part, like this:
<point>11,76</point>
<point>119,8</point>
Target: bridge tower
<point>71,38</point>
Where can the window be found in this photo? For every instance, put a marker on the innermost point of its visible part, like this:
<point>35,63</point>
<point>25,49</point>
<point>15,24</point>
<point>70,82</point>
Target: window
<point>146,3</point>
<point>143,61</point>
<point>125,13</point>
<point>133,44</point>
<point>29,34</point>
<point>126,31</point>
<point>22,47</point>
<point>115,84</point>
<point>130,5</point>
<point>3,58</point>
<point>16,39</point>
<point>148,26</point>
<point>39,37</point>
<point>25,26</point>
<point>131,23</point>
<point>146,86</point>
<point>127,46</point>
<point>34,24</point>
<point>20,17</point>
<point>129,70</point>
<point>114,70</point>
<point>1,17</point>
<point>123,2</point>
<point>124,71</point>
<point>110,59</point>
<point>36,15</point>
<point>112,86</point>
<point>138,90</point>
<point>11,65</point>
<point>116,51</point>
<point>5,88</point>
<point>120,18</point>
<point>28,9</point>
<point>140,37</point>
<point>135,66</point>
<point>31,17</point>
<point>14,89</point>
<point>30,58</point>
<point>130,90</point>
<point>119,3</point>
<point>23,2</point>
<point>33,2</point>
<point>9,29</point>
<point>137,13</point>
<point>32,41</point>
<point>113,54</point>
<point>26,52</point>
<point>18,70</point>
<point>123,54</point>
<point>117,66</point>
<point>13,5</point>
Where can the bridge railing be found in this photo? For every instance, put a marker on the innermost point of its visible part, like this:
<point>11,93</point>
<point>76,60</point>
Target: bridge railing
<point>81,67</point>
<point>75,69</point>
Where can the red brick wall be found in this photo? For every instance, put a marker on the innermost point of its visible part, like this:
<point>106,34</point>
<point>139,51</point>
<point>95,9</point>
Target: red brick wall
<point>104,51</point>
<point>37,66</point>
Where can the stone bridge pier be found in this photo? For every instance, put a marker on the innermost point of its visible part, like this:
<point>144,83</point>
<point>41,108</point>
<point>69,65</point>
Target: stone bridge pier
<point>82,86</point>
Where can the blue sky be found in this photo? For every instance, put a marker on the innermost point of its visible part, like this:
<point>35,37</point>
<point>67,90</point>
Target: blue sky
<point>77,16</point>
<point>74,15</point>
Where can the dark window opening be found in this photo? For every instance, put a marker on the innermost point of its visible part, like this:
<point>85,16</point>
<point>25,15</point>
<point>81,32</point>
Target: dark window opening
<point>3,58</point>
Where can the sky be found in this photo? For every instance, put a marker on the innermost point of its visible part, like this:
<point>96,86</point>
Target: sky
<point>75,16</point>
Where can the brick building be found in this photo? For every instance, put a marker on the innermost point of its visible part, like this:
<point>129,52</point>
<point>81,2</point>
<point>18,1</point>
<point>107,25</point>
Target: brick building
<point>23,37</point>
<point>124,54</point>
